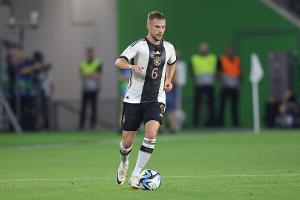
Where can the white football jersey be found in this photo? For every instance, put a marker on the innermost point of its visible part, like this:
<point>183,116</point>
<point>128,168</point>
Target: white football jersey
<point>148,86</point>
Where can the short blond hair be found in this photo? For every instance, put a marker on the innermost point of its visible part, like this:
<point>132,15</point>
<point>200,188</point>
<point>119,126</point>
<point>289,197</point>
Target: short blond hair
<point>155,15</point>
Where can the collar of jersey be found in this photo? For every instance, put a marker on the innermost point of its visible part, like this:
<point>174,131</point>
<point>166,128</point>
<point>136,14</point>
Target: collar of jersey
<point>149,42</point>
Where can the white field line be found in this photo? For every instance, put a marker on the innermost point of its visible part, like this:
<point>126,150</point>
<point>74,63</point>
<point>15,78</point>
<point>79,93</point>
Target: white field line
<point>165,177</point>
<point>111,142</point>
<point>58,145</point>
<point>107,142</point>
<point>235,175</point>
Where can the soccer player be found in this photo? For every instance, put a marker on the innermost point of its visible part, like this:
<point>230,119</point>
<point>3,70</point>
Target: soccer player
<point>152,62</point>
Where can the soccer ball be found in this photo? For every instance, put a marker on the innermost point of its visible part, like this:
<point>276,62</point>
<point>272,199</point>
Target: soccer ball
<point>150,179</point>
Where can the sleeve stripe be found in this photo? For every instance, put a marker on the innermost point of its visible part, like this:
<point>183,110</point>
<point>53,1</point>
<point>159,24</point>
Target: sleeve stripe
<point>172,63</point>
<point>125,58</point>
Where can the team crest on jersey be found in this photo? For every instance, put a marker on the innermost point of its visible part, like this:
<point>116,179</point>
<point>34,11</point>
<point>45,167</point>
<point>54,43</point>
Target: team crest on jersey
<point>157,61</point>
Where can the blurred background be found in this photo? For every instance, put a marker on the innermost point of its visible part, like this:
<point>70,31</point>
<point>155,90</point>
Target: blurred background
<point>45,47</point>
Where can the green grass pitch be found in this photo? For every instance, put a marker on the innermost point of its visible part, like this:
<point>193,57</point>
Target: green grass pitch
<point>206,165</point>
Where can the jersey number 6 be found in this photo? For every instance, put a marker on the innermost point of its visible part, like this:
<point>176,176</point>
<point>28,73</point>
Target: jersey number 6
<point>154,73</point>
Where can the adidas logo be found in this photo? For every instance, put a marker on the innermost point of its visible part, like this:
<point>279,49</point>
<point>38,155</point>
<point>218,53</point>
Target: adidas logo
<point>157,53</point>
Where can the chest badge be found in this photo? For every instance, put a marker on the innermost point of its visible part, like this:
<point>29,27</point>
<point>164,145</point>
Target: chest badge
<point>157,61</point>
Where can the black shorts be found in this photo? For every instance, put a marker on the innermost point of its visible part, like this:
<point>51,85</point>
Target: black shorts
<point>134,114</point>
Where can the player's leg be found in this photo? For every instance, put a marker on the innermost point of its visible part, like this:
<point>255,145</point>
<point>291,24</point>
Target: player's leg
<point>153,118</point>
<point>131,120</point>
<point>83,110</point>
<point>235,106</point>
<point>222,106</point>
<point>171,110</point>
<point>210,102</point>
<point>126,144</point>
<point>145,152</point>
<point>197,106</point>
<point>94,109</point>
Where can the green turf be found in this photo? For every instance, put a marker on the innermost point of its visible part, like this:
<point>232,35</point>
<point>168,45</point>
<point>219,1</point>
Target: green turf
<point>81,166</point>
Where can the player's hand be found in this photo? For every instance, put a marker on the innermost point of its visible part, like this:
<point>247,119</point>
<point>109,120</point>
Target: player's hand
<point>136,68</point>
<point>168,86</point>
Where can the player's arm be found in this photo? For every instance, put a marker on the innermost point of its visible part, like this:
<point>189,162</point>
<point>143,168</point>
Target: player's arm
<point>122,63</point>
<point>170,70</point>
<point>169,76</point>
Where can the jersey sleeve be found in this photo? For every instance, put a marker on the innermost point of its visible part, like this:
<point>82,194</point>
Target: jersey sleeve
<point>129,53</point>
<point>172,59</point>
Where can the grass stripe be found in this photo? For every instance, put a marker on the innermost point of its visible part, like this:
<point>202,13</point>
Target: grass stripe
<point>169,177</point>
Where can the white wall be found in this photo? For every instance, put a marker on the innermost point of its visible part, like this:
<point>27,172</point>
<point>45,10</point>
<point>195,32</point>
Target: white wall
<point>3,19</point>
<point>64,42</point>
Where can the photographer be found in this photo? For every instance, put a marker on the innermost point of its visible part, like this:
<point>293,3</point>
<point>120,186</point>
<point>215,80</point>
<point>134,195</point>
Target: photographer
<point>44,88</point>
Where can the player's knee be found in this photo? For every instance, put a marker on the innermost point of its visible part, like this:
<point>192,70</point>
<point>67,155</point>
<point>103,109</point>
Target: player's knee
<point>127,143</point>
<point>128,139</point>
<point>151,128</point>
<point>151,134</point>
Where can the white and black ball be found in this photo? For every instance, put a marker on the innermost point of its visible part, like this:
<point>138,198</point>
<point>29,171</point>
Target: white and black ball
<point>150,179</point>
